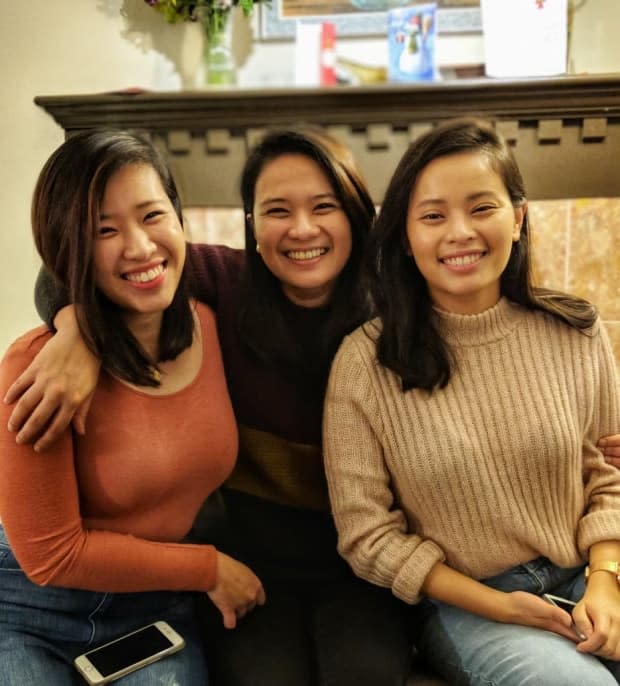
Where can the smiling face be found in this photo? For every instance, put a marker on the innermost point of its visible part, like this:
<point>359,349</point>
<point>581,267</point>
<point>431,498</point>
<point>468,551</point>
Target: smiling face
<point>301,230</point>
<point>461,225</point>
<point>139,246</point>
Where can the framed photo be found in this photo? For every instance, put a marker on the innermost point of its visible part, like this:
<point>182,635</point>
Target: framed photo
<point>360,17</point>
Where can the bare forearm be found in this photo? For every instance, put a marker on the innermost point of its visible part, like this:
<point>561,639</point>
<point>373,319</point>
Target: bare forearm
<point>449,586</point>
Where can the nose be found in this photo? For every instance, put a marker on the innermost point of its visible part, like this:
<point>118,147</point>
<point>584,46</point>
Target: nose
<point>461,228</point>
<point>303,227</point>
<point>138,244</point>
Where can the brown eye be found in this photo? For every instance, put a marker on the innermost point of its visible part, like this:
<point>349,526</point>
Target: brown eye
<point>484,208</point>
<point>276,212</point>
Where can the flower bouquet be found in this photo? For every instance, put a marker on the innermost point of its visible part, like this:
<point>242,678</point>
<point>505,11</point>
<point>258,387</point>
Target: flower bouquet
<point>213,15</point>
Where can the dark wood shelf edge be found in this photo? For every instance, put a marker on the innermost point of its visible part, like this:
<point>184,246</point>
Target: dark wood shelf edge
<point>355,106</point>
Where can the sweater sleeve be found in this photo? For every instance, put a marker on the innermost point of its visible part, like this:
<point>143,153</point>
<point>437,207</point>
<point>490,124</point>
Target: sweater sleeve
<point>214,268</point>
<point>373,532</point>
<point>601,521</point>
<point>40,511</point>
<point>49,296</point>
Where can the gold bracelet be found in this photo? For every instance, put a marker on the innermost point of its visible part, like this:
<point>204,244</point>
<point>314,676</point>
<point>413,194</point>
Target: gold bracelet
<point>610,566</point>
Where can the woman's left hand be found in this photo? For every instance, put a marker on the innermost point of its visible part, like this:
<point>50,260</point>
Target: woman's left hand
<point>597,616</point>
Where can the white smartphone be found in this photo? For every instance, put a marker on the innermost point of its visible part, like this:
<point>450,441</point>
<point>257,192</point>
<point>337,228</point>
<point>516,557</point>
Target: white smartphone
<point>128,653</point>
<point>567,605</point>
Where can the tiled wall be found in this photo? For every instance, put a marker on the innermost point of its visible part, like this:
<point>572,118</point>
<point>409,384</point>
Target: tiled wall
<point>575,246</point>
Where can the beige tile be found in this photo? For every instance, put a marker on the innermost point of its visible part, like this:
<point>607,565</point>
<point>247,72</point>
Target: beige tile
<point>594,254</point>
<point>613,328</point>
<point>218,226</point>
<point>548,222</point>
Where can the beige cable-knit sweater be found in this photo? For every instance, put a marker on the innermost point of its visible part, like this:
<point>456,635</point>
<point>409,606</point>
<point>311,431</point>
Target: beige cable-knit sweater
<point>496,469</point>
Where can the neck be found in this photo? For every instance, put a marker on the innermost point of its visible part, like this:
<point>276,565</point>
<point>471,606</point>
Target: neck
<point>146,329</point>
<point>310,298</point>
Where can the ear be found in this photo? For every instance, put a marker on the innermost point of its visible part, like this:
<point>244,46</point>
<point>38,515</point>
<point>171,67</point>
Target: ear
<point>519,217</point>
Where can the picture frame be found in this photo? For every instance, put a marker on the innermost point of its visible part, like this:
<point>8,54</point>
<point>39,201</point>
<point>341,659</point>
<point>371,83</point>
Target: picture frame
<point>451,19</point>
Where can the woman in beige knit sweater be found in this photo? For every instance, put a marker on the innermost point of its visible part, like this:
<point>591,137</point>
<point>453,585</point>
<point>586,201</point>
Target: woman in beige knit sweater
<point>460,430</point>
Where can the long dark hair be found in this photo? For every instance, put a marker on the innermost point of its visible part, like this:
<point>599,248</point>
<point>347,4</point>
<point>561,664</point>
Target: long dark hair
<point>65,212</point>
<point>262,322</point>
<point>409,343</point>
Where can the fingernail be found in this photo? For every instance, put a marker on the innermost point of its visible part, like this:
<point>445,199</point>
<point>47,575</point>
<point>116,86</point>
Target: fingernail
<point>19,439</point>
<point>9,426</point>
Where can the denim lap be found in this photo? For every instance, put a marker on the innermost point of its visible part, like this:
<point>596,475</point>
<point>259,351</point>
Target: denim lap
<point>474,651</point>
<point>42,629</point>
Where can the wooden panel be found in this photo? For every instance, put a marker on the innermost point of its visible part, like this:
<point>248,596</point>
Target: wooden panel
<point>566,130</point>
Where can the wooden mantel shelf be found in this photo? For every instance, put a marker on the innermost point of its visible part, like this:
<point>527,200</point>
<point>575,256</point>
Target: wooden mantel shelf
<point>566,130</point>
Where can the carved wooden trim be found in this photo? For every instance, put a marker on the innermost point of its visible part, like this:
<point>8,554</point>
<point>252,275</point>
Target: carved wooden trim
<point>566,130</point>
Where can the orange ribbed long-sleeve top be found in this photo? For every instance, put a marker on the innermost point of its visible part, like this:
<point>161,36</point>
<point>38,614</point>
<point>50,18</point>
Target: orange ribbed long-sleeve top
<point>107,511</point>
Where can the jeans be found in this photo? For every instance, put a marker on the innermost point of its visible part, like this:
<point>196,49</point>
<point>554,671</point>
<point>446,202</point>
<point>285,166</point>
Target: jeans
<point>42,629</point>
<point>471,650</point>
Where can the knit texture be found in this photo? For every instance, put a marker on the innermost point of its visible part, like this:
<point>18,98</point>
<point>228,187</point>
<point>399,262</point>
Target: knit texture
<point>496,469</point>
<point>108,511</point>
<point>279,418</point>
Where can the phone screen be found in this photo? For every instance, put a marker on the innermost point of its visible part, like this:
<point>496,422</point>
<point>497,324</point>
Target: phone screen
<point>128,650</point>
<point>564,604</point>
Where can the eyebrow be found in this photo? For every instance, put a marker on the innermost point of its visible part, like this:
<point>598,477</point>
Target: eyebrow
<point>442,201</point>
<point>318,196</point>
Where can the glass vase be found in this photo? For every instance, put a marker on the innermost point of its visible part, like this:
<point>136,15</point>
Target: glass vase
<point>219,60</point>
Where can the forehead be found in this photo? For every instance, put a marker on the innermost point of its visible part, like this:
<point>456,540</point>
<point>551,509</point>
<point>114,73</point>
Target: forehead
<point>464,170</point>
<point>133,177</point>
<point>291,170</point>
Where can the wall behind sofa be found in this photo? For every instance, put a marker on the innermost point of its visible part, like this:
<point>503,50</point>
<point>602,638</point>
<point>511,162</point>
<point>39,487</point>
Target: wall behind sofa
<point>65,47</point>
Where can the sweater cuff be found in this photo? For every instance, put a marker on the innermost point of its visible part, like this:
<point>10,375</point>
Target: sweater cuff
<point>596,527</point>
<point>408,582</point>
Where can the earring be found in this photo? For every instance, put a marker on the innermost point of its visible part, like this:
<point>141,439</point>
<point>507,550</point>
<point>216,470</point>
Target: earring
<point>257,247</point>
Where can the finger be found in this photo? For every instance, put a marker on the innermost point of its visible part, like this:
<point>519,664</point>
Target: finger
<point>79,419</point>
<point>583,625</point>
<point>24,407</point>
<point>18,387</point>
<point>613,457</point>
<point>592,644</point>
<point>37,422</point>
<point>230,619</point>
<point>596,637</point>
<point>565,631</point>
<point>261,597</point>
<point>55,430</point>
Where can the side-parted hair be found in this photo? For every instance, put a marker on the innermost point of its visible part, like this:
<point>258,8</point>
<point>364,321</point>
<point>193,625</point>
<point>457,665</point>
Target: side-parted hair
<point>262,322</point>
<point>65,214</point>
<point>409,343</point>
